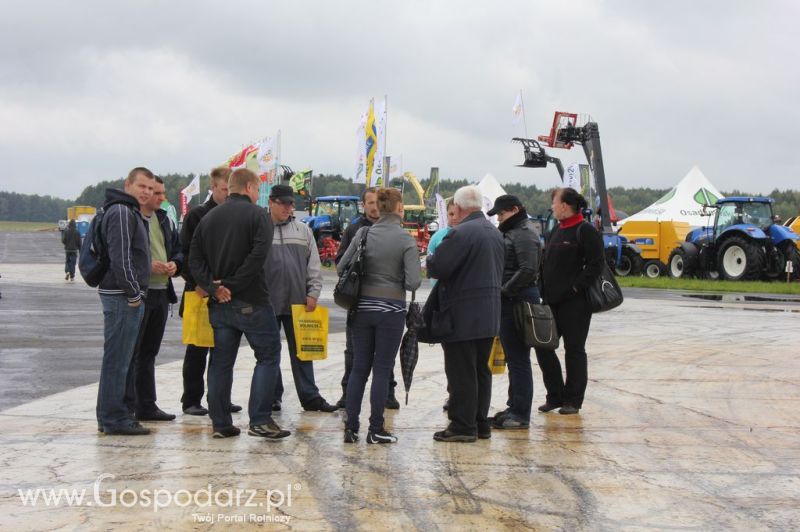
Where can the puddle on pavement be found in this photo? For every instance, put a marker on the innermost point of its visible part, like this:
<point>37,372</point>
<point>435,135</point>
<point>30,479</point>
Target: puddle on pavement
<point>739,298</point>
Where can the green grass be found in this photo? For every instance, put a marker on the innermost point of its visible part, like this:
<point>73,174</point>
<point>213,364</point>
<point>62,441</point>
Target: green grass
<point>706,285</point>
<point>27,227</point>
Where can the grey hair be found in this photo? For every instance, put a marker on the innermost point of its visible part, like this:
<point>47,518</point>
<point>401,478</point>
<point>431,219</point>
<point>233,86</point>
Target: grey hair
<point>468,198</point>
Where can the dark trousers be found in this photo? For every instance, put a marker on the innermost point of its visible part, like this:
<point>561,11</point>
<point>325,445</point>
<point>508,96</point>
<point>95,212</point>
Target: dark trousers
<point>469,379</point>
<point>518,358</point>
<point>573,317</point>
<point>194,370</point>
<point>302,371</point>
<point>258,324</point>
<point>140,392</point>
<point>348,358</point>
<point>376,338</point>
<point>69,264</point>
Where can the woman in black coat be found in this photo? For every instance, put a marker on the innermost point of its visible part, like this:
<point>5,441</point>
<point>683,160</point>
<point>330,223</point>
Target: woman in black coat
<point>573,259</point>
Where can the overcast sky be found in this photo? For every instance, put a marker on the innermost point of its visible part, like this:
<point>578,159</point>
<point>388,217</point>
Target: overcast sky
<point>89,90</point>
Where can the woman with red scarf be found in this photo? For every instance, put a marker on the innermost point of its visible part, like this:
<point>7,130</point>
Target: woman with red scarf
<point>573,259</point>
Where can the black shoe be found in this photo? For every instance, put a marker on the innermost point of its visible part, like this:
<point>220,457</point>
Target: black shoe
<point>195,410</point>
<point>498,416</point>
<point>567,410</point>
<point>155,415</point>
<point>391,402</point>
<point>509,422</point>
<point>547,407</point>
<point>381,437</point>
<point>350,436</point>
<point>134,429</point>
<point>448,435</point>
<point>238,408</point>
<point>484,434</point>
<point>227,432</point>
<point>320,405</point>
<point>342,402</point>
<point>276,406</point>
<point>269,430</point>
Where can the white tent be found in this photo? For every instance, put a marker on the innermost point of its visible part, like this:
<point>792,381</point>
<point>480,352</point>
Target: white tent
<point>490,190</point>
<point>683,203</point>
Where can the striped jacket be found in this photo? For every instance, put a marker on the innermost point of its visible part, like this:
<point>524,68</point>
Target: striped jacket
<point>128,242</point>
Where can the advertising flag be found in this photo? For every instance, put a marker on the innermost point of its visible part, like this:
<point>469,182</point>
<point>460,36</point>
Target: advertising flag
<point>572,177</point>
<point>371,142</point>
<point>361,150</point>
<point>380,151</point>
<point>518,112</point>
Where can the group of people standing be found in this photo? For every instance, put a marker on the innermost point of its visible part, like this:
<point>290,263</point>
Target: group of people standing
<point>253,265</point>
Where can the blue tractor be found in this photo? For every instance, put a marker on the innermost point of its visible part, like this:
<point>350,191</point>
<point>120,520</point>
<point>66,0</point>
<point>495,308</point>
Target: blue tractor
<point>742,244</point>
<point>329,216</point>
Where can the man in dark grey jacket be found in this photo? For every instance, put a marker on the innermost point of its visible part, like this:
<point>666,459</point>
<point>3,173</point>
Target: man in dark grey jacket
<point>469,267</point>
<point>122,290</point>
<point>294,277</point>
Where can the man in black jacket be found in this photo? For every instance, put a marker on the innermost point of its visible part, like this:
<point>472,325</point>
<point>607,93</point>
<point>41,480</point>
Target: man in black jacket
<point>194,361</point>
<point>122,292</point>
<point>166,261</point>
<point>469,267</point>
<point>371,215</point>
<point>227,259</point>
<point>71,239</point>
<point>520,278</point>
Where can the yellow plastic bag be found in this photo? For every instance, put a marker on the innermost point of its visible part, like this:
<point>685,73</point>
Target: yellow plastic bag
<point>497,358</point>
<point>196,326</point>
<point>310,332</point>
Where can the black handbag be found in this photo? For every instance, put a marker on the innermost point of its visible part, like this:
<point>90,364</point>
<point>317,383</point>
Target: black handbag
<point>438,323</point>
<point>348,287</point>
<point>604,293</point>
<point>535,325</point>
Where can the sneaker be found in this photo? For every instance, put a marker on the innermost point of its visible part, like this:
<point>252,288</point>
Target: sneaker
<point>269,430</point>
<point>484,434</point>
<point>381,437</point>
<point>342,402</point>
<point>238,408</point>
<point>134,429</point>
<point>391,402</point>
<point>509,421</point>
<point>155,415</point>
<point>567,410</point>
<point>450,436</point>
<point>499,415</point>
<point>226,432</point>
<point>276,406</point>
<point>547,407</point>
<point>350,436</point>
<point>195,410</point>
<point>320,405</point>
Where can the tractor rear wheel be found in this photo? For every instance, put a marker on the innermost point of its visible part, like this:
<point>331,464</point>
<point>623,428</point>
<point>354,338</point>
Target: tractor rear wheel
<point>739,259</point>
<point>630,263</point>
<point>652,269</point>
<point>680,264</point>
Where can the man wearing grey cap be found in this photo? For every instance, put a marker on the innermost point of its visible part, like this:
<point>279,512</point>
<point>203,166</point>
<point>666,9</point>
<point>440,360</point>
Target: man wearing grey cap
<point>294,277</point>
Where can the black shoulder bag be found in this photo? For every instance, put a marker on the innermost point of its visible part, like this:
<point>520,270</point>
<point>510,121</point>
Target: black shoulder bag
<point>348,287</point>
<point>604,293</point>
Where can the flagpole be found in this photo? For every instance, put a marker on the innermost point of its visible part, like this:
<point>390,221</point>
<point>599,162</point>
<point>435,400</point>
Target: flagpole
<point>524,120</point>
<point>385,150</point>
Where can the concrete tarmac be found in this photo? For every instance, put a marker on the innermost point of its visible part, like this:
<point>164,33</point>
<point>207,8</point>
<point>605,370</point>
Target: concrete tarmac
<point>690,422</point>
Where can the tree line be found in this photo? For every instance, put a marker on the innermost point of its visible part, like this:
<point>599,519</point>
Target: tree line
<point>35,208</point>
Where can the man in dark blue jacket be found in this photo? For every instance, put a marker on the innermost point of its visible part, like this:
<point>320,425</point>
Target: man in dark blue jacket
<point>122,293</point>
<point>469,267</point>
<point>228,261</point>
<point>166,260</point>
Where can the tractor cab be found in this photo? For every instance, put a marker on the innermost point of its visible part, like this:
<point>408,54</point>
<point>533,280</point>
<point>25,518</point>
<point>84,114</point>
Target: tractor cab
<point>330,215</point>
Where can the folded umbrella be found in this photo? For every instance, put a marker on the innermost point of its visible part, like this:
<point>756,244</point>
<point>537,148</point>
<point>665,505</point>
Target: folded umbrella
<point>409,347</point>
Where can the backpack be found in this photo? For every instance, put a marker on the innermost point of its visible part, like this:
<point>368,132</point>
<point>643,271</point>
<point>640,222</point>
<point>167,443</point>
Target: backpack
<point>93,260</point>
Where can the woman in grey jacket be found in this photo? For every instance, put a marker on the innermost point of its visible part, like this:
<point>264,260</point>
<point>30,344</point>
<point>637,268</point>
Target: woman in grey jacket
<point>392,267</point>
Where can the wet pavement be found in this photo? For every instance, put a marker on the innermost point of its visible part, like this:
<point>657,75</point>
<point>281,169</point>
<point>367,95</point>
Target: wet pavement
<point>690,422</point>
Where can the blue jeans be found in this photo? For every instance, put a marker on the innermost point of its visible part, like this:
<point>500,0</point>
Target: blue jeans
<point>71,261</point>
<point>120,329</point>
<point>258,324</point>
<point>518,358</point>
<point>376,337</point>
